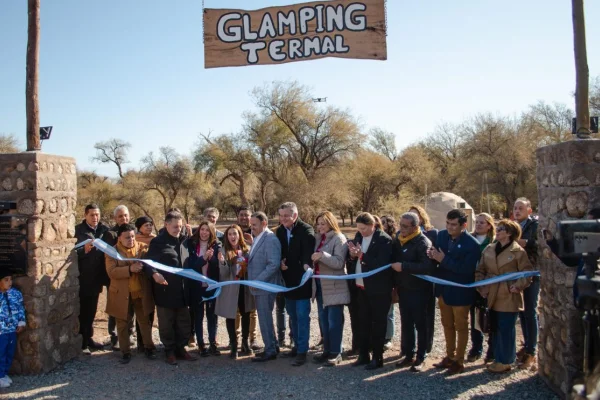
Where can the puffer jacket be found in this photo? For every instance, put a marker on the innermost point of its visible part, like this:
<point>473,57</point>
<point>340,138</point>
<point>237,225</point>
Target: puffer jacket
<point>12,311</point>
<point>333,262</point>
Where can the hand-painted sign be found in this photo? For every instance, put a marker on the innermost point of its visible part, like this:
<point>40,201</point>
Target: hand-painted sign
<point>308,31</point>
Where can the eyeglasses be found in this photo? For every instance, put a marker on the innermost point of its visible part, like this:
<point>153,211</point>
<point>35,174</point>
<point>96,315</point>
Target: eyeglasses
<point>501,229</point>
<point>405,226</point>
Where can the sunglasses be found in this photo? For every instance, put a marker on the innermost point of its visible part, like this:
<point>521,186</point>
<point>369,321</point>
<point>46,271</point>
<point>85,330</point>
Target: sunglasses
<point>501,229</point>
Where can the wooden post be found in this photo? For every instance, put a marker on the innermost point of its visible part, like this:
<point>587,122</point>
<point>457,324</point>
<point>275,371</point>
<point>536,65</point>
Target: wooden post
<point>582,108</point>
<point>31,88</point>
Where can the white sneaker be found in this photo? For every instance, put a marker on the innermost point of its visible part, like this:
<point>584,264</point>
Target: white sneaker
<point>8,379</point>
<point>4,383</point>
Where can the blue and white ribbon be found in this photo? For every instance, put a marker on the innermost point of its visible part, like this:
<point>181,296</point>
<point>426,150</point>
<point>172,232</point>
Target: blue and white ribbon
<point>273,288</point>
<point>186,273</point>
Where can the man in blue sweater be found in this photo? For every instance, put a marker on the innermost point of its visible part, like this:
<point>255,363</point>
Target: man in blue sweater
<point>456,253</point>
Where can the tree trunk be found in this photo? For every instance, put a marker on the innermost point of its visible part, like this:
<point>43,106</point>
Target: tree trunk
<point>32,107</point>
<point>582,108</point>
<point>242,192</point>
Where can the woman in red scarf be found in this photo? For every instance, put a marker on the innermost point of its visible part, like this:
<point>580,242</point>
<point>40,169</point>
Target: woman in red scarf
<point>330,259</point>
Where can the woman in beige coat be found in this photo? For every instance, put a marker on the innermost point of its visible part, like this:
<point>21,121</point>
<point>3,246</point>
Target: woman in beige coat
<point>505,299</point>
<point>130,286</point>
<point>233,263</point>
<point>329,258</point>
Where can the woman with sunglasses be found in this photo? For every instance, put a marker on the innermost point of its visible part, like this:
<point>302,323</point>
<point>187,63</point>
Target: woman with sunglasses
<point>505,299</point>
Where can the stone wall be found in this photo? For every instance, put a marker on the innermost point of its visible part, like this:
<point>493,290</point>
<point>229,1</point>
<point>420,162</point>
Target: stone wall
<point>568,180</point>
<point>45,188</point>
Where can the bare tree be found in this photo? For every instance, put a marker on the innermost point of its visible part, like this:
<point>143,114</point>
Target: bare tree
<point>444,147</point>
<point>552,122</point>
<point>317,138</point>
<point>112,151</point>
<point>9,144</point>
<point>225,153</point>
<point>32,106</point>
<point>384,143</point>
<point>169,174</point>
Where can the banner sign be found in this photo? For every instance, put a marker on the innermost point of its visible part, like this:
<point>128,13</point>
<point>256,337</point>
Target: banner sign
<point>307,31</point>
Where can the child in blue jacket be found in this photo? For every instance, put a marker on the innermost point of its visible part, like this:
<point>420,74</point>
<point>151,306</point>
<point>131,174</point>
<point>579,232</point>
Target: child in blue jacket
<point>12,321</point>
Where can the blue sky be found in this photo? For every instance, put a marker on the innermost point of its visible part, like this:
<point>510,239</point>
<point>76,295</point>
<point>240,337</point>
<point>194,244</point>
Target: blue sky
<point>133,69</point>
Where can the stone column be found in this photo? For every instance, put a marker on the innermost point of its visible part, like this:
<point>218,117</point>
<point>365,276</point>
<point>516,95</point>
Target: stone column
<point>568,180</point>
<point>45,189</point>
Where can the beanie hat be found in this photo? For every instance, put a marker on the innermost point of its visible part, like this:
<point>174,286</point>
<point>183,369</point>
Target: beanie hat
<point>141,221</point>
<point>4,272</point>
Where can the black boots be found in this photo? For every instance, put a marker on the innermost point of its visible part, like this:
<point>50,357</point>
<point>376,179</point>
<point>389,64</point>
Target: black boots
<point>246,349</point>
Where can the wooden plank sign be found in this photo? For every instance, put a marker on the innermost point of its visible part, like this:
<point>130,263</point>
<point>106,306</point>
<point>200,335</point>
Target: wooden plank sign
<point>308,31</point>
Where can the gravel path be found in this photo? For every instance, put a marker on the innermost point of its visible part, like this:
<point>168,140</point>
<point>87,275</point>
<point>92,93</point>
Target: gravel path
<point>100,376</point>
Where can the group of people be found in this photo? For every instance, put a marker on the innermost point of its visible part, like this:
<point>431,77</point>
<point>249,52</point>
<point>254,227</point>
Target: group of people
<point>249,250</point>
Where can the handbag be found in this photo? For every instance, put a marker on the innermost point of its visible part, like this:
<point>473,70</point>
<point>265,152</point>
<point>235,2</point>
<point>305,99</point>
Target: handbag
<point>483,320</point>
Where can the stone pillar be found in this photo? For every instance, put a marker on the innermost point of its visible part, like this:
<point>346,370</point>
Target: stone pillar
<point>45,189</point>
<point>568,180</point>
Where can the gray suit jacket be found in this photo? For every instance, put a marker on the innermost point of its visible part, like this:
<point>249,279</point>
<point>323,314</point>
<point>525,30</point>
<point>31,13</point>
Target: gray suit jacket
<point>264,264</point>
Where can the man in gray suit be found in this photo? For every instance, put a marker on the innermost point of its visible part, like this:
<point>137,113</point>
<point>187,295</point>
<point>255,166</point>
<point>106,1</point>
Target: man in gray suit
<point>263,265</point>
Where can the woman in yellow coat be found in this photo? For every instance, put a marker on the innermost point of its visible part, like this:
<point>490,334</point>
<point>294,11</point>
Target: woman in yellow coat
<point>130,288</point>
<point>505,299</point>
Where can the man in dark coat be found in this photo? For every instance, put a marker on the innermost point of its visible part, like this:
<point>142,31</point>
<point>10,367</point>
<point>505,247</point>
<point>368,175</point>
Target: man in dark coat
<point>529,316</point>
<point>297,240</point>
<point>91,274</point>
<point>410,257</point>
<point>170,292</point>
<point>456,254</point>
<point>370,250</point>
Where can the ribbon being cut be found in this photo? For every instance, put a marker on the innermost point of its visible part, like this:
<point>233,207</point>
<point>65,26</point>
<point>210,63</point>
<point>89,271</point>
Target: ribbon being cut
<point>269,287</point>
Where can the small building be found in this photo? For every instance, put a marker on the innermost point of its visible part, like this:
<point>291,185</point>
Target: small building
<point>438,204</point>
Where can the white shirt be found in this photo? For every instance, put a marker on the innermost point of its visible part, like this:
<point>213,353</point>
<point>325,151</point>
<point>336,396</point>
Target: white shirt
<point>480,238</point>
<point>364,247</point>
<point>255,242</point>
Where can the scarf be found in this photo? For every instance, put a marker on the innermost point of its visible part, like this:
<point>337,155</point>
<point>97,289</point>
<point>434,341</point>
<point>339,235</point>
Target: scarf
<point>403,240</point>
<point>316,263</point>
<point>499,248</point>
<point>135,283</point>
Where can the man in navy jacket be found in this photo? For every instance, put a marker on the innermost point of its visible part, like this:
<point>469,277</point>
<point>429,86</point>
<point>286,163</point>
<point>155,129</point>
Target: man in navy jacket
<point>457,254</point>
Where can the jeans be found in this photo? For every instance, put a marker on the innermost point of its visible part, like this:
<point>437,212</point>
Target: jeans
<point>331,319</point>
<point>529,317</point>
<point>299,312</point>
<point>505,337</point>
<point>8,345</point>
<point>280,312</point>
<point>206,308</point>
<point>413,317</point>
<point>391,321</point>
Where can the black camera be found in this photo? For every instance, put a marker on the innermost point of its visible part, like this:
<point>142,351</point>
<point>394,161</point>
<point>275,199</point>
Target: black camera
<point>576,238</point>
